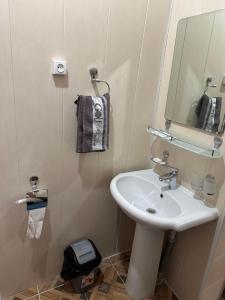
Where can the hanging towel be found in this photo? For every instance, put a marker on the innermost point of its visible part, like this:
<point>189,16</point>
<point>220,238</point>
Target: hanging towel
<point>93,123</point>
<point>208,113</point>
<point>202,110</point>
<point>213,120</point>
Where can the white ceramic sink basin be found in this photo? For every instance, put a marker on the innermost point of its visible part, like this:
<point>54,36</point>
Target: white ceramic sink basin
<point>140,195</point>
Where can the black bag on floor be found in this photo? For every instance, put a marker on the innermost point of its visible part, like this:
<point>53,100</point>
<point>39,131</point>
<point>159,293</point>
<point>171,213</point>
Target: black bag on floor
<point>81,260</point>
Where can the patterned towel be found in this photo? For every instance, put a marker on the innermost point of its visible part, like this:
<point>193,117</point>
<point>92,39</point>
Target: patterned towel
<point>93,123</point>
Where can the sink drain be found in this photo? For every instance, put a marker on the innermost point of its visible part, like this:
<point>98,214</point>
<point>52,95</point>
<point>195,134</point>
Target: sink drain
<point>151,210</point>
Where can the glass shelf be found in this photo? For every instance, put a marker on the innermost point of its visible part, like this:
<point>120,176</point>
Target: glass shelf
<point>183,144</point>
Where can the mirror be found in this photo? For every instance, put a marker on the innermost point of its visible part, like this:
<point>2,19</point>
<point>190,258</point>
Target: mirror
<point>196,95</point>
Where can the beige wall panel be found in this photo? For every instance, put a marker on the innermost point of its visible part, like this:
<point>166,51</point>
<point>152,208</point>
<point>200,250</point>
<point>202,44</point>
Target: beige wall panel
<point>36,39</point>
<point>85,210</point>
<point>153,45</point>
<point>126,27</point>
<point>11,250</point>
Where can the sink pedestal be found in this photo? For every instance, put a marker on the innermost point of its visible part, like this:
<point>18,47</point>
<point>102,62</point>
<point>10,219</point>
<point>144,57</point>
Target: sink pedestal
<point>144,262</point>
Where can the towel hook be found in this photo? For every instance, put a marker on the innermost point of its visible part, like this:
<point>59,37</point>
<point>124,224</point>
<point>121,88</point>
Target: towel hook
<point>209,84</point>
<point>94,78</point>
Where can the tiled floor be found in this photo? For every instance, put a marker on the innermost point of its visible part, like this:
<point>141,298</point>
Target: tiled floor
<point>110,285</point>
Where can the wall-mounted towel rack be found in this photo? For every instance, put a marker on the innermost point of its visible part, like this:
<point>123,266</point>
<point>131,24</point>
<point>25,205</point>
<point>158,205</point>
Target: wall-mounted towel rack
<point>94,78</point>
<point>209,84</point>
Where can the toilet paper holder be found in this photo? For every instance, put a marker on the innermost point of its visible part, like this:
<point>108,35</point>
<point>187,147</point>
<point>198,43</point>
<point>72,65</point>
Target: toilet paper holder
<point>36,198</point>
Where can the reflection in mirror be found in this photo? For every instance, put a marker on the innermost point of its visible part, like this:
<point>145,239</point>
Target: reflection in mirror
<point>197,83</point>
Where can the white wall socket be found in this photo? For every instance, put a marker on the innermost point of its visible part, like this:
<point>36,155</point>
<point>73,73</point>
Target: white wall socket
<point>59,67</point>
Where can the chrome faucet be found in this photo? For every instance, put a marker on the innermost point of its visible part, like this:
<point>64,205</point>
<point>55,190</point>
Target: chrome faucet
<point>171,176</point>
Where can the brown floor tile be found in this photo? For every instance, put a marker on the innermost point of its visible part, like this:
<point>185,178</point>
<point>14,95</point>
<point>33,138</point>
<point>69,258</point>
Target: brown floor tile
<point>122,269</point>
<point>164,293</point>
<point>109,285</point>
<point>122,266</point>
<point>112,291</point>
<point>105,264</point>
<point>121,263</point>
<point>57,282</point>
<point>26,294</point>
<point>33,298</point>
<point>125,256</point>
<point>108,273</point>
<point>62,293</point>
<point>19,298</point>
<point>118,292</point>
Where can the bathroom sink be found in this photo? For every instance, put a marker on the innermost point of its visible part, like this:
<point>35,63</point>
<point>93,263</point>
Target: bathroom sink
<point>155,209</point>
<point>140,195</point>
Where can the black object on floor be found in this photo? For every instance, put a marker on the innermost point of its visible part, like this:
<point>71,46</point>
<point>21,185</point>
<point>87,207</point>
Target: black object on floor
<point>80,266</point>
